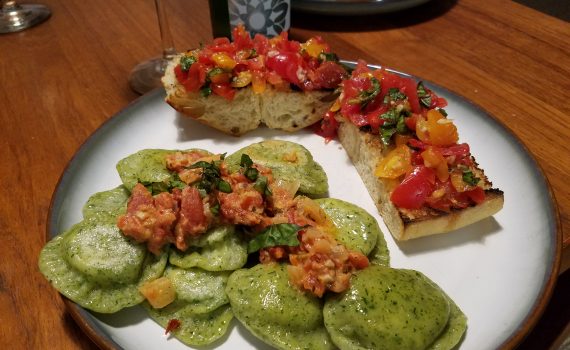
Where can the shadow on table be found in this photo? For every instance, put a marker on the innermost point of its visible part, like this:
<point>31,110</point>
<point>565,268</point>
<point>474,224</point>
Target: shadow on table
<point>381,21</point>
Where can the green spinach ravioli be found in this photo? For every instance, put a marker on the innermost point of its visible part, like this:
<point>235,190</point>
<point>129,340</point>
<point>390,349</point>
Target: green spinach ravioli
<point>97,266</point>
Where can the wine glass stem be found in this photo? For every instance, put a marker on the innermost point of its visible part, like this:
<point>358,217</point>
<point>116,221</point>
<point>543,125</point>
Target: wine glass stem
<point>168,50</point>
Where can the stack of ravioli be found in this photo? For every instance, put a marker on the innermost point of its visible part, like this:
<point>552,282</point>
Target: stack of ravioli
<point>97,267</point>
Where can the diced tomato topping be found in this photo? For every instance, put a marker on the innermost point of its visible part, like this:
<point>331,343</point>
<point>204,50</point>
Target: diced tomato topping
<point>327,127</point>
<point>477,195</point>
<point>414,189</point>
<point>224,90</point>
<point>286,64</point>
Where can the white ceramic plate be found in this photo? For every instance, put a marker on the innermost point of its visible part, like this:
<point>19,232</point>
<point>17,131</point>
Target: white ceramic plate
<point>500,271</point>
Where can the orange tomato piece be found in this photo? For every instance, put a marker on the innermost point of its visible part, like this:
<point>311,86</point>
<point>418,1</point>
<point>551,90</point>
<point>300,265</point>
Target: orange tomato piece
<point>436,129</point>
<point>458,183</point>
<point>435,160</point>
<point>396,163</point>
<point>258,82</point>
<point>314,48</point>
<point>224,61</point>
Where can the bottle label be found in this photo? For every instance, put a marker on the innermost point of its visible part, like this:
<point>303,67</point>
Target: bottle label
<point>267,17</point>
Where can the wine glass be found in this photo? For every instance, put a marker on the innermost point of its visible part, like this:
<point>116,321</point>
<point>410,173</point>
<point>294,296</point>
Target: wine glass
<point>146,75</point>
<point>15,17</point>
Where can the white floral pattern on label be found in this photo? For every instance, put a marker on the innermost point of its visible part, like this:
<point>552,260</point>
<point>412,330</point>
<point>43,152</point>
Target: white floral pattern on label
<point>267,17</point>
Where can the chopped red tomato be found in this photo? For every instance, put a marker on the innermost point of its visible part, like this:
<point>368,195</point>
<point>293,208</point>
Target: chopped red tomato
<point>286,64</point>
<point>327,127</point>
<point>406,85</point>
<point>414,189</point>
<point>173,325</point>
<point>224,90</point>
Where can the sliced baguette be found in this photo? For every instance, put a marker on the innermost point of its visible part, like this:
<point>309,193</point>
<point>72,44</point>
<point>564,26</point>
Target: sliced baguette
<point>285,110</point>
<point>366,150</point>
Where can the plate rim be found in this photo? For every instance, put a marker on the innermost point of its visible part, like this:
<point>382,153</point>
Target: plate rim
<point>526,324</point>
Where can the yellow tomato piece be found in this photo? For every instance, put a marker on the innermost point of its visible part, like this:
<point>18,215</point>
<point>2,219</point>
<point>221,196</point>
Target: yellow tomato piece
<point>396,163</point>
<point>436,130</point>
<point>313,47</point>
<point>258,82</point>
<point>458,183</point>
<point>159,292</point>
<point>336,105</point>
<point>242,79</point>
<point>223,61</point>
<point>435,160</point>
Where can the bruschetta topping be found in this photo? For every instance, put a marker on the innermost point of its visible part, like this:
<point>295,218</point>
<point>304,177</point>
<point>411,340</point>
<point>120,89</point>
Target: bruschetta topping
<point>421,150</point>
<point>223,66</point>
<point>282,227</point>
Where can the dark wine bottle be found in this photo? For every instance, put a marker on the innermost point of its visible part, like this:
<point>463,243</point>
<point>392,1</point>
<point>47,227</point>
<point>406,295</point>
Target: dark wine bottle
<point>220,17</point>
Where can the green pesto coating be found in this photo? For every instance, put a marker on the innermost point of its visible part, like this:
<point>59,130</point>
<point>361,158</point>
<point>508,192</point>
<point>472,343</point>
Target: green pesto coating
<point>212,252</point>
<point>195,329</point>
<point>454,330</point>
<point>83,289</point>
<point>357,230</point>
<point>387,308</point>
<point>276,312</point>
<point>103,254</point>
<point>288,161</point>
<point>146,166</point>
<point>107,204</point>
<point>197,290</point>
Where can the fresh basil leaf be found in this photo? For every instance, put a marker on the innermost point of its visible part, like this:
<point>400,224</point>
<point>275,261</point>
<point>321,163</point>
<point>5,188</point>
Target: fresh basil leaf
<point>328,56</point>
<point>275,235</point>
<point>245,161</point>
<point>224,186</point>
<point>386,134</point>
<point>251,174</point>
<point>469,178</point>
<point>206,91</point>
<point>215,71</point>
<point>442,111</point>
<point>215,209</point>
<point>394,94</point>
<point>261,186</point>
<point>186,62</point>
<point>421,90</point>
<point>367,96</point>
<point>424,95</point>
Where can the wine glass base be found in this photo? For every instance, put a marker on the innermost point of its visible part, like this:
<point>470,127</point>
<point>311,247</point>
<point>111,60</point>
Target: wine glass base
<point>16,17</point>
<point>146,75</point>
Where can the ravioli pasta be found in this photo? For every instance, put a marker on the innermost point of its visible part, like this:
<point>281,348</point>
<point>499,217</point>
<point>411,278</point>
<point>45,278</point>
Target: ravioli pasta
<point>95,265</point>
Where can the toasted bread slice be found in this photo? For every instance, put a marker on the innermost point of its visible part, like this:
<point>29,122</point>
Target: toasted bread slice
<point>285,110</point>
<point>366,150</point>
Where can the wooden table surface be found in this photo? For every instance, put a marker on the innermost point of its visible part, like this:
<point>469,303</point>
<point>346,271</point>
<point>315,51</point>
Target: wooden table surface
<point>62,79</point>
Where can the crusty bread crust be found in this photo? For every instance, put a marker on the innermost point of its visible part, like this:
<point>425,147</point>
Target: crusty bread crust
<point>365,151</point>
<point>284,110</point>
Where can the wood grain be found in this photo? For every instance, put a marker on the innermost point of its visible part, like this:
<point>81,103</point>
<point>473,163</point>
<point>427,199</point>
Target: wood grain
<point>63,79</point>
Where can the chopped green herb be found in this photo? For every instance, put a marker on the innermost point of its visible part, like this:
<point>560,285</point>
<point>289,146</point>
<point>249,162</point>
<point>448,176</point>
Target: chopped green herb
<point>211,178</point>
<point>215,209</point>
<point>394,122</point>
<point>367,96</point>
<point>251,174</point>
<point>262,187</point>
<point>275,235</point>
<point>245,161</point>
<point>224,186</point>
<point>186,62</point>
<point>442,111</point>
<point>394,94</point>
<point>328,56</point>
<point>469,178</point>
<point>215,71</point>
<point>424,95</point>
<point>205,91</point>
